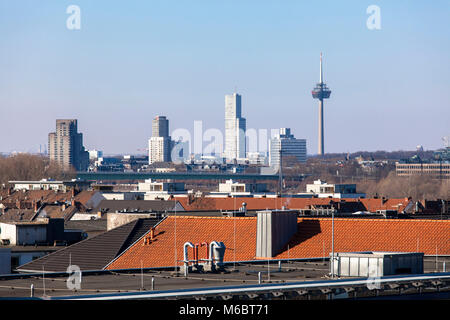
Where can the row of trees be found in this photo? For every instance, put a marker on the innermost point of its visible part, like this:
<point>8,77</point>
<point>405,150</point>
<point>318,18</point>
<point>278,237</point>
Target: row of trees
<point>379,180</point>
<point>27,167</point>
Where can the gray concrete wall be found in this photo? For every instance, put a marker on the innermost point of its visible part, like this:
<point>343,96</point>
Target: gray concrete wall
<point>274,229</point>
<point>114,220</point>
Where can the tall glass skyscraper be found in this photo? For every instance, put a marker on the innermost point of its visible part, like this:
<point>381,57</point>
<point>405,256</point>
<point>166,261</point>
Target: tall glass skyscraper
<point>235,127</point>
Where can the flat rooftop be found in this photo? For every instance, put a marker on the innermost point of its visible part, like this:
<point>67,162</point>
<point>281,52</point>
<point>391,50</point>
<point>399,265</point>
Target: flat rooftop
<point>239,274</point>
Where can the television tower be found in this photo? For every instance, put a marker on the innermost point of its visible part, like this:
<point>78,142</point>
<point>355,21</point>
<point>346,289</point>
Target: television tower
<point>321,92</point>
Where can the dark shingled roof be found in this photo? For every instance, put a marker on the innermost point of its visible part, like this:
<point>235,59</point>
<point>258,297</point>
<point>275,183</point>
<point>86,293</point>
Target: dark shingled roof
<point>91,227</point>
<point>113,206</point>
<point>93,253</point>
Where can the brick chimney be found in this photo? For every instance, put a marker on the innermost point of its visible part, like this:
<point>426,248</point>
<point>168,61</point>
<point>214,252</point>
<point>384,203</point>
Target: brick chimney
<point>36,205</point>
<point>152,233</point>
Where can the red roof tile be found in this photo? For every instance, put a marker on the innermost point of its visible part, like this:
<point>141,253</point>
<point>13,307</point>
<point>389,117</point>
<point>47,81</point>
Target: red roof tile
<point>313,239</point>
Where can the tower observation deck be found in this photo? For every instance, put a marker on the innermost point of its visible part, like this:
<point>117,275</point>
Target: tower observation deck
<point>321,92</point>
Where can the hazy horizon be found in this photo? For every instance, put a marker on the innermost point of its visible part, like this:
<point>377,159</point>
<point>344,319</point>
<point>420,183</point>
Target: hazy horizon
<point>132,61</point>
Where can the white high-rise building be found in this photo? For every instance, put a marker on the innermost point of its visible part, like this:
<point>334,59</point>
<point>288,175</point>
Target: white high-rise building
<point>160,144</point>
<point>289,145</point>
<point>235,127</point>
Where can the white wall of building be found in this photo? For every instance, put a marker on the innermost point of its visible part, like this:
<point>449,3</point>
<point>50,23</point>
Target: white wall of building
<point>19,234</point>
<point>8,231</point>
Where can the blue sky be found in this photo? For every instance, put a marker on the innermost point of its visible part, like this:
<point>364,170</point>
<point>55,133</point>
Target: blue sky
<point>133,60</point>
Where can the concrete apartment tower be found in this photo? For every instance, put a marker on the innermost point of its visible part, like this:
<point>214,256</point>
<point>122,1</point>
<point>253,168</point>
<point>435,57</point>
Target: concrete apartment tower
<point>159,145</point>
<point>66,146</point>
<point>235,127</point>
<point>321,92</point>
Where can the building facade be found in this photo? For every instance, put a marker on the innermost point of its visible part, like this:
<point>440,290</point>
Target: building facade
<point>65,146</point>
<point>438,170</point>
<point>160,144</point>
<point>322,189</point>
<point>289,146</point>
<point>235,127</point>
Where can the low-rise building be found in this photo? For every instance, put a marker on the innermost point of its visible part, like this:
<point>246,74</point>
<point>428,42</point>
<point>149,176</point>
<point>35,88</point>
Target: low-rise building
<point>327,190</point>
<point>49,184</point>
<point>236,189</point>
<point>42,231</point>
<point>137,206</point>
<point>152,190</point>
<point>439,170</point>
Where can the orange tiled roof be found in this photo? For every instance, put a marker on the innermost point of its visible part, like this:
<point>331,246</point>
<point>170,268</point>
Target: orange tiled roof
<point>313,238</point>
<point>398,235</point>
<point>161,251</point>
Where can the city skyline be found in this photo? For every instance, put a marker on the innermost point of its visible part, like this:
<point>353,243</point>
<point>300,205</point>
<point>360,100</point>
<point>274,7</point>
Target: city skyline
<point>129,63</point>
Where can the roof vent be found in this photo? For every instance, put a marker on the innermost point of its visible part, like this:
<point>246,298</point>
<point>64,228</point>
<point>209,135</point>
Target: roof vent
<point>274,229</point>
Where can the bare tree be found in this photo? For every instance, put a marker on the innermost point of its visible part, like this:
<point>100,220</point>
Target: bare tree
<point>31,167</point>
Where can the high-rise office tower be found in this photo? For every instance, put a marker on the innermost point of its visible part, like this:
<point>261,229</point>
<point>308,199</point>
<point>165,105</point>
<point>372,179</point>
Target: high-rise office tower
<point>321,92</point>
<point>285,145</point>
<point>160,127</point>
<point>66,146</point>
<point>160,144</point>
<point>235,127</point>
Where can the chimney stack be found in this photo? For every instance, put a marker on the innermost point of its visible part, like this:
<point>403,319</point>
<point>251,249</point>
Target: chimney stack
<point>152,233</point>
<point>36,205</point>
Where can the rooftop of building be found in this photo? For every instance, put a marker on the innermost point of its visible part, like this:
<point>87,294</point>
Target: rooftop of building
<point>136,206</point>
<point>93,253</point>
<point>235,274</point>
<point>311,240</point>
<point>252,203</point>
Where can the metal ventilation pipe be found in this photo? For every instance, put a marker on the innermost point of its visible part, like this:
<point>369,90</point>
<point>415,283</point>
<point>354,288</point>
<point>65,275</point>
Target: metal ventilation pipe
<point>185,257</point>
<point>216,252</point>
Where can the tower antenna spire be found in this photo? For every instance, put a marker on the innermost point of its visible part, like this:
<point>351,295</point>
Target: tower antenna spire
<point>321,71</point>
<point>321,92</point>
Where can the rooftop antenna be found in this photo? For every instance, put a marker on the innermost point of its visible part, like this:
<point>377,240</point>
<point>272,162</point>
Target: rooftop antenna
<point>321,71</point>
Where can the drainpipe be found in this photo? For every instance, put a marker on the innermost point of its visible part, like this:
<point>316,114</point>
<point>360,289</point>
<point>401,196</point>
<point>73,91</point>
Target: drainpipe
<point>204,244</point>
<point>196,252</point>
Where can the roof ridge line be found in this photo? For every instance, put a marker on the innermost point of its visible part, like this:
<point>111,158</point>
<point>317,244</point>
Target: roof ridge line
<point>131,245</point>
<point>136,222</point>
<point>208,217</point>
